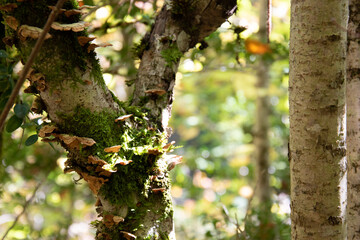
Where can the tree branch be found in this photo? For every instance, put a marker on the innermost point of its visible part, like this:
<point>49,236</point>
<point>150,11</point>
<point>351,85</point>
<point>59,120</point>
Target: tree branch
<point>178,27</point>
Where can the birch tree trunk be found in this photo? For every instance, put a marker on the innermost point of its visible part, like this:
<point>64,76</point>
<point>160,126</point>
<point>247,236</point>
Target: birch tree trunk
<point>121,150</point>
<point>353,120</point>
<point>317,119</point>
<point>261,129</point>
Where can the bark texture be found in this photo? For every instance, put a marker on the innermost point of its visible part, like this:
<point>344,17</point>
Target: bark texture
<point>261,128</point>
<point>178,27</point>
<point>119,149</point>
<point>353,120</point>
<point>317,111</point>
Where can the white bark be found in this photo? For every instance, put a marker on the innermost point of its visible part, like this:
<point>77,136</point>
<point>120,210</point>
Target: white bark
<point>353,120</point>
<point>317,111</point>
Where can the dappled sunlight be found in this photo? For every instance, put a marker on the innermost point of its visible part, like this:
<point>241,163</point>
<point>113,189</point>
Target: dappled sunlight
<point>103,13</point>
<point>246,192</point>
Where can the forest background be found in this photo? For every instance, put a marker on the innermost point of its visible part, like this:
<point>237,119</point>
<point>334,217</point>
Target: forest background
<point>213,120</point>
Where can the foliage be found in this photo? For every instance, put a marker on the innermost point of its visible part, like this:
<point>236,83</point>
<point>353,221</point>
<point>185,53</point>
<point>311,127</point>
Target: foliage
<point>212,119</point>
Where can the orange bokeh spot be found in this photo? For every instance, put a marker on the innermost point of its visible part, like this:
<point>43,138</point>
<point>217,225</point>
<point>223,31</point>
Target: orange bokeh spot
<point>256,47</point>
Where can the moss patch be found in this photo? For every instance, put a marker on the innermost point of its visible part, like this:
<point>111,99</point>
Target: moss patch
<point>135,136</point>
<point>61,58</point>
<point>155,204</point>
<point>171,55</point>
<point>131,185</point>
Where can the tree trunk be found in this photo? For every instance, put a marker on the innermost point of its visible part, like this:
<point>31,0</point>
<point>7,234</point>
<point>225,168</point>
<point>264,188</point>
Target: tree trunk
<point>317,113</point>
<point>124,160</point>
<point>261,129</point>
<point>353,120</point>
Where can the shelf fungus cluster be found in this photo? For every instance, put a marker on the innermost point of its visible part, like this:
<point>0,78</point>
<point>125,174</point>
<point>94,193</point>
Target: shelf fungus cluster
<point>25,31</point>
<point>97,171</point>
<point>49,134</point>
<point>139,163</point>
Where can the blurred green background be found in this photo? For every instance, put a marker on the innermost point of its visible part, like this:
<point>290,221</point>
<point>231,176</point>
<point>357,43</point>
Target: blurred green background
<point>212,119</point>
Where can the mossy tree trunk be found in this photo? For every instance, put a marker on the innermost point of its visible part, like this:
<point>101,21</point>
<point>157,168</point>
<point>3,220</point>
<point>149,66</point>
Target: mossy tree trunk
<point>261,130</point>
<point>124,160</point>
<point>317,119</point>
<point>353,120</point>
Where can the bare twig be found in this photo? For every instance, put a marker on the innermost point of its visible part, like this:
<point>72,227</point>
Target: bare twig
<point>27,203</point>
<point>29,63</point>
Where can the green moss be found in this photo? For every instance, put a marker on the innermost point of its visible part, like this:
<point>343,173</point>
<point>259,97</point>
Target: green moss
<point>95,223</point>
<point>171,55</point>
<point>61,57</point>
<point>120,103</point>
<point>164,236</point>
<point>144,100</point>
<point>100,126</point>
<point>134,219</point>
<point>131,184</point>
<point>135,140</point>
<point>96,72</point>
<point>128,180</point>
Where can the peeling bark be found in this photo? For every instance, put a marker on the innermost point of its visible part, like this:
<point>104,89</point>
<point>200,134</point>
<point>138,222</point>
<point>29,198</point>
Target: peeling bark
<point>353,120</point>
<point>317,119</point>
<point>120,150</point>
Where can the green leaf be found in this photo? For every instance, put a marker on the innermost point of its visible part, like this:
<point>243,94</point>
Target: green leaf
<point>28,124</point>
<point>3,54</point>
<point>13,123</point>
<point>31,140</point>
<point>21,110</point>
